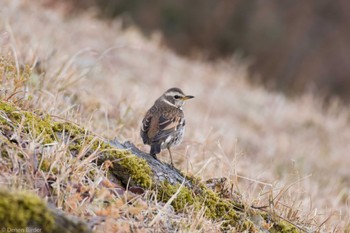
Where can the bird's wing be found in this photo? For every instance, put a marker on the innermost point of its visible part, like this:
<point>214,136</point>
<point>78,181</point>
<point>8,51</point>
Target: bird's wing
<point>146,123</point>
<point>167,126</point>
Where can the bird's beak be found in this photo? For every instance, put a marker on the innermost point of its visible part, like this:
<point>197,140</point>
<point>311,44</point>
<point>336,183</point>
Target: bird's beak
<point>187,97</point>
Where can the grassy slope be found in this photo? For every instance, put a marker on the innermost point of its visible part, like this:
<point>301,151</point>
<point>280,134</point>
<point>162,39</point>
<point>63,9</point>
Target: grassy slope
<point>104,79</point>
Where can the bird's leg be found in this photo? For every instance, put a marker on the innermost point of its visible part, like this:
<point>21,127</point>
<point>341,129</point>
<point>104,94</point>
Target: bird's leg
<point>154,156</point>
<point>155,149</point>
<point>171,158</point>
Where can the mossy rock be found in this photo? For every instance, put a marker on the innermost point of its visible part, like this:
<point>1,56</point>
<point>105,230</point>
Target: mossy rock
<point>234,215</point>
<point>24,212</point>
<point>49,131</point>
<point>132,170</point>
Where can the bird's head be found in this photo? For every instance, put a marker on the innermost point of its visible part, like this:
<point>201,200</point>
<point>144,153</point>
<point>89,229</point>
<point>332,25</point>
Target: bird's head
<point>175,97</point>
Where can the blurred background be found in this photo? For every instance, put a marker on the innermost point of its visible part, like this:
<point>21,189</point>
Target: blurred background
<point>292,46</point>
<point>99,71</point>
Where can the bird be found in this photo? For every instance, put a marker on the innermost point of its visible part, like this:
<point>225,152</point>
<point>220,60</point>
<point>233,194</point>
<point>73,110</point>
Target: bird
<point>164,123</point>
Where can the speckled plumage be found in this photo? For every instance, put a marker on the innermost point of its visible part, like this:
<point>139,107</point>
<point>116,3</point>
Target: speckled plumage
<point>164,124</point>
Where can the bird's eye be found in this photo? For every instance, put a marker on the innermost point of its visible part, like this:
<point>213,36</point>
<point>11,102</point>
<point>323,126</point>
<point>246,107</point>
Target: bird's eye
<point>176,96</point>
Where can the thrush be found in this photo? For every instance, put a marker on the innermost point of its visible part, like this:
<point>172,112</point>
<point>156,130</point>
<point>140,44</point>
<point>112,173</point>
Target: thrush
<point>164,123</point>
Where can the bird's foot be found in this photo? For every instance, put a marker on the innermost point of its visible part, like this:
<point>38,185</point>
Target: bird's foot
<point>154,156</point>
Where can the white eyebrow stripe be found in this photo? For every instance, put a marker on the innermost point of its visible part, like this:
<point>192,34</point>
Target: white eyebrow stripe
<point>173,93</point>
<point>166,101</point>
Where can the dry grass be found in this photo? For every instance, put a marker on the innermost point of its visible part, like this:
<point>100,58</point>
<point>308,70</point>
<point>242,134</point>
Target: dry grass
<point>293,153</point>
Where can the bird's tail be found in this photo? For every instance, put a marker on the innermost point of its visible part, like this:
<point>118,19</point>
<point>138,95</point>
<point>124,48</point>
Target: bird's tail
<point>155,149</point>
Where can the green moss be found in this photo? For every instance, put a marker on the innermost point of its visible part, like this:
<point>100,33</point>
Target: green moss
<point>248,225</point>
<point>234,215</point>
<point>45,165</point>
<point>138,169</point>
<point>4,154</point>
<point>70,128</point>
<point>283,227</point>
<point>126,164</point>
<point>38,127</point>
<point>184,198</point>
<point>21,210</point>
<point>217,209</point>
<point>42,127</point>
<point>279,225</point>
<point>7,107</point>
